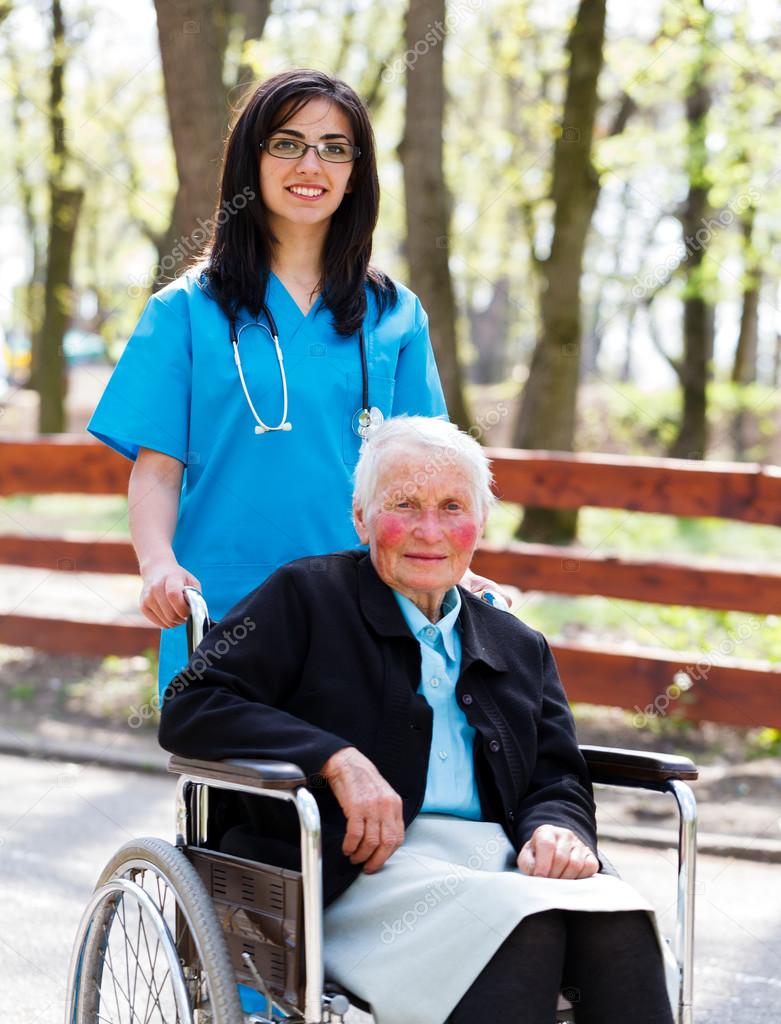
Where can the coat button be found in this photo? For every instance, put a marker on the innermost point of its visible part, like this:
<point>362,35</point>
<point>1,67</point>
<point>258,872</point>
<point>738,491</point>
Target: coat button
<point>511,815</point>
<point>494,745</point>
<point>467,698</point>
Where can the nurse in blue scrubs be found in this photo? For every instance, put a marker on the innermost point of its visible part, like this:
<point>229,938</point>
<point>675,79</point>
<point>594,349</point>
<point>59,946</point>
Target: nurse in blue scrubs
<point>244,391</point>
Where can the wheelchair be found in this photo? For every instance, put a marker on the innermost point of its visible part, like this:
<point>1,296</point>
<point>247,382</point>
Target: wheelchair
<point>186,934</point>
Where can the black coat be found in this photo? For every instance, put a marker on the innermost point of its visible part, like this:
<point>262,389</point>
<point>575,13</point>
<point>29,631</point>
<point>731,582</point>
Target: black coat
<point>319,657</point>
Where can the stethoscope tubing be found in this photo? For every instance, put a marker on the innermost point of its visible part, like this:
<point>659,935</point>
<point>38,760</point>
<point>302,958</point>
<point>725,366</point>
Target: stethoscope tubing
<point>364,411</point>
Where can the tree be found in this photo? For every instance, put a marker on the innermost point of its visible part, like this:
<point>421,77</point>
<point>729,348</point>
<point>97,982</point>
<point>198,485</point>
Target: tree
<point>64,207</point>
<point>427,201</point>
<point>548,408</point>
<point>191,50</point>
<point>691,441</point>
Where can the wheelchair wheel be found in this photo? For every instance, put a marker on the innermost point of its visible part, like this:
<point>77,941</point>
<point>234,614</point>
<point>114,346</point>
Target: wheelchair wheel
<point>150,948</point>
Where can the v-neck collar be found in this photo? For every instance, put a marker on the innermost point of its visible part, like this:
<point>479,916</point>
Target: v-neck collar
<point>290,303</point>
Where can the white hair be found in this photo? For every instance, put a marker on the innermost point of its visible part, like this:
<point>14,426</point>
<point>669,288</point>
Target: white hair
<point>440,442</point>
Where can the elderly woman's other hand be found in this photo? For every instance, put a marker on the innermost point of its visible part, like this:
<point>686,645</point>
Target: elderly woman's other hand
<point>375,825</point>
<point>554,852</point>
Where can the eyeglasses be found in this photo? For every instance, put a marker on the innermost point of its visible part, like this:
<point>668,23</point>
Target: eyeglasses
<point>292,149</point>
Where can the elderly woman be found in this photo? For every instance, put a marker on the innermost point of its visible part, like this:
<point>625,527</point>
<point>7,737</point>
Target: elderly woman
<point>461,877</point>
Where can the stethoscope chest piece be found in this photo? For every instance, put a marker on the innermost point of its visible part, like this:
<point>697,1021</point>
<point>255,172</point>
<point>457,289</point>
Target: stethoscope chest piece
<point>366,421</point>
<point>287,425</point>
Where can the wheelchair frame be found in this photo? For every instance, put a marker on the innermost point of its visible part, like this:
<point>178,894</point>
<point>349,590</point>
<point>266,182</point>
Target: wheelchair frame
<point>324,1003</point>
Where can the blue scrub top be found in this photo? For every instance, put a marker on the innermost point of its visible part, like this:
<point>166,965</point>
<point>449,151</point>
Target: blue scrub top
<point>250,502</point>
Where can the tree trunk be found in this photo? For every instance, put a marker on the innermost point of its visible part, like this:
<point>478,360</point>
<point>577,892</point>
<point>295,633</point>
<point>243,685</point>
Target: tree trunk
<point>489,329</point>
<point>192,57</point>
<point>64,206</point>
<point>252,16</point>
<point>426,197</point>
<point>33,290</point>
<point>57,310</point>
<point>594,335</point>
<point>548,407</point>
<point>744,368</point>
<point>698,314</point>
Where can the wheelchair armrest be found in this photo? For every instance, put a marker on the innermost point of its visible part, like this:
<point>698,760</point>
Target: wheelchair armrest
<point>644,768</point>
<point>266,774</point>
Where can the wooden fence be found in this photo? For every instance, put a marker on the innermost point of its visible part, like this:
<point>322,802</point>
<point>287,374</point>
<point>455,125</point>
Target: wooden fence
<point>721,688</point>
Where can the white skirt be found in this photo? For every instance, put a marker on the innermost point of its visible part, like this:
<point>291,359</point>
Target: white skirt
<point>411,938</point>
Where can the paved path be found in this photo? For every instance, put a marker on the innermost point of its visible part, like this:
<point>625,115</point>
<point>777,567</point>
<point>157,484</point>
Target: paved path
<point>59,823</point>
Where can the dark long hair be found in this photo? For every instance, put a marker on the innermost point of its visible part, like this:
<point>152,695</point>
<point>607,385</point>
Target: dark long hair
<point>238,256</point>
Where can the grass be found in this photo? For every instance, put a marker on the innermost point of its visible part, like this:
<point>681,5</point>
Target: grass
<point>717,634</point>
<point>56,514</point>
<point>587,619</point>
<point>641,534</point>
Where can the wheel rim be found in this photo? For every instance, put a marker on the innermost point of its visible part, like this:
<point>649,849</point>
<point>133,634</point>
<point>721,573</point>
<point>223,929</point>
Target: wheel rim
<point>135,974</point>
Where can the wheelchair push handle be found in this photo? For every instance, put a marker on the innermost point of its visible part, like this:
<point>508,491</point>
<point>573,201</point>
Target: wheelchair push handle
<point>198,621</point>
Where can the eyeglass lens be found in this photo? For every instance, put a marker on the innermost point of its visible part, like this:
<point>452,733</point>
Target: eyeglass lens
<point>293,149</point>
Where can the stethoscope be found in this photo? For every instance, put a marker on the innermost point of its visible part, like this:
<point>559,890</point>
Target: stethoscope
<point>364,419</point>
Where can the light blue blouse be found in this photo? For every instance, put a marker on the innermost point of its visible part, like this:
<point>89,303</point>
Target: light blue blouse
<point>250,502</point>
<point>450,783</point>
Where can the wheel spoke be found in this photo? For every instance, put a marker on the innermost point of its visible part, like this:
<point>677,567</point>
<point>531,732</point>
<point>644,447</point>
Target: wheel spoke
<point>118,984</point>
<point>167,944</point>
<point>156,1003</point>
<point>154,989</point>
<point>152,967</point>
<point>137,967</point>
<point>108,963</point>
<point>121,916</point>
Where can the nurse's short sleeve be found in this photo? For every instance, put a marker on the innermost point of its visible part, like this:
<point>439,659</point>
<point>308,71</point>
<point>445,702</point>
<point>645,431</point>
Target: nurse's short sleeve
<point>146,403</point>
<point>418,389</point>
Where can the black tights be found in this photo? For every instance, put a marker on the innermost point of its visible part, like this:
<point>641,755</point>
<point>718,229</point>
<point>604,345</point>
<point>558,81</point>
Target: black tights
<point>607,964</point>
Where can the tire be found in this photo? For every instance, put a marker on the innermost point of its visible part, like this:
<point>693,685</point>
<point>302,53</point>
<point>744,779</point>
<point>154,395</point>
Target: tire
<point>125,960</point>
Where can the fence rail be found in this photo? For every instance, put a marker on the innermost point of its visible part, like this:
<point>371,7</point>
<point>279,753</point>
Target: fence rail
<point>722,689</point>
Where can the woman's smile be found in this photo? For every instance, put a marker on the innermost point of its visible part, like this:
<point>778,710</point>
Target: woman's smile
<point>310,193</point>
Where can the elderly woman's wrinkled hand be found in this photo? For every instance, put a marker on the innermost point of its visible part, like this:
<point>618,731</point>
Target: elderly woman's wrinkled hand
<point>375,825</point>
<point>554,852</point>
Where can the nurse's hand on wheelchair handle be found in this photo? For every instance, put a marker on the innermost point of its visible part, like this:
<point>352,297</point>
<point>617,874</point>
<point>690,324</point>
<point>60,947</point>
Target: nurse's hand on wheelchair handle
<point>554,852</point>
<point>162,597</point>
<point>373,809</point>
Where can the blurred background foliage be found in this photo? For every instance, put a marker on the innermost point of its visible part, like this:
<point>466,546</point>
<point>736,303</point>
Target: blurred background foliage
<point>506,70</point>
<point>653,124</point>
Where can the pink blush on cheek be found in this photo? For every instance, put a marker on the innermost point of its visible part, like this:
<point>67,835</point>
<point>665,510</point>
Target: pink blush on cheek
<point>390,529</point>
<point>464,535</point>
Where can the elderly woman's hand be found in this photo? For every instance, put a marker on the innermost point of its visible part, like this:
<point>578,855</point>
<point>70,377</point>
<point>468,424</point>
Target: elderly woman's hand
<point>375,826</point>
<point>554,852</point>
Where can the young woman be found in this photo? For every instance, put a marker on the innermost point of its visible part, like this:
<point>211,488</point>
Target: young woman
<point>248,384</point>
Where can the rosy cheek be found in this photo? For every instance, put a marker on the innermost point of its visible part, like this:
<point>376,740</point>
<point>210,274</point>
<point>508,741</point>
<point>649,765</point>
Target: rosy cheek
<point>390,530</point>
<point>464,535</point>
